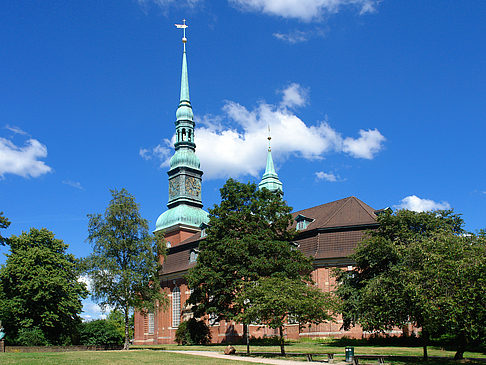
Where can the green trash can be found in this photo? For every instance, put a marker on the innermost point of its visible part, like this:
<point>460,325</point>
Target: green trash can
<point>349,353</point>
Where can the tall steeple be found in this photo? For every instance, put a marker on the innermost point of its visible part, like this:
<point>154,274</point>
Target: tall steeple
<point>270,179</point>
<point>185,175</point>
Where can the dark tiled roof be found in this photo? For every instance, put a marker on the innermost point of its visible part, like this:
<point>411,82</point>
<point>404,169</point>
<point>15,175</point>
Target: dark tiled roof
<point>336,229</point>
<point>340,213</point>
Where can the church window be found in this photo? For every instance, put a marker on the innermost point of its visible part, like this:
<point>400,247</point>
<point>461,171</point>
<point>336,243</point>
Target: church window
<point>151,323</point>
<point>176,307</point>
<point>183,134</point>
<point>193,256</point>
<point>189,136</point>
<point>303,222</point>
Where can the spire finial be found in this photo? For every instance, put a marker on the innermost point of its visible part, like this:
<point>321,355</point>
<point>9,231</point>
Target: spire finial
<point>183,26</point>
<point>269,138</point>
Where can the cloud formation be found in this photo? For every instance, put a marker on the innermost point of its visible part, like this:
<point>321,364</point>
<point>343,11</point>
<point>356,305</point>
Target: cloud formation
<point>15,129</point>
<point>73,184</point>
<point>413,202</point>
<point>305,10</point>
<point>321,175</point>
<point>24,161</point>
<point>238,146</point>
<point>297,36</point>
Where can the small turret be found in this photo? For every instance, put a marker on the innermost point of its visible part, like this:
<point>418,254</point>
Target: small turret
<point>270,179</point>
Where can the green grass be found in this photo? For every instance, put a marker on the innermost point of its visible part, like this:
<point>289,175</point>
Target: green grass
<point>337,347</point>
<point>111,357</point>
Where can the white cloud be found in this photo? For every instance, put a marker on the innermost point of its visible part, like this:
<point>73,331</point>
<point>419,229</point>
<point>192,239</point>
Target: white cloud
<point>238,147</point>
<point>413,202</point>
<point>16,130</point>
<point>366,146</point>
<point>23,161</point>
<point>164,4</point>
<point>74,184</point>
<point>162,152</point>
<point>294,95</point>
<point>294,37</point>
<point>305,10</point>
<point>321,175</point>
<point>85,279</point>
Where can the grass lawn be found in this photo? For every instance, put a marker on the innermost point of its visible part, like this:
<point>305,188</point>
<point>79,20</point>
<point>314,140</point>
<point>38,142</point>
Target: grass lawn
<point>111,357</point>
<point>337,347</point>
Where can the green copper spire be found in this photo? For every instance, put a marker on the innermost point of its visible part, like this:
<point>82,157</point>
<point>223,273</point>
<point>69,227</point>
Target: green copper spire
<point>185,175</point>
<point>270,179</point>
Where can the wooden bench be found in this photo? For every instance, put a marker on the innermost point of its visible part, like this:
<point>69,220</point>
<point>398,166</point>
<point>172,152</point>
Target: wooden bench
<point>330,357</point>
<point>380,358</point>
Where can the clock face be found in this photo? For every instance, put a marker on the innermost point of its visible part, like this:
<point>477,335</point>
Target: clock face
<point>193,186</point>
<point>174,187</point>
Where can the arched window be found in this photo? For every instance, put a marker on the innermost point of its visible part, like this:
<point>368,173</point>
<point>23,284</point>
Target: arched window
<point>176,307</point>
<point>189,136</point>
<point>178,136</point>
<point>183,134</point>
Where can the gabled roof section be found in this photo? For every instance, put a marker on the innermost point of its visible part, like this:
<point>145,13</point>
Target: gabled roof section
<point>340,213</point>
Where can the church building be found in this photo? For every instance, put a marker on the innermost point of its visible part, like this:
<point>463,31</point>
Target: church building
<point>328,233</point>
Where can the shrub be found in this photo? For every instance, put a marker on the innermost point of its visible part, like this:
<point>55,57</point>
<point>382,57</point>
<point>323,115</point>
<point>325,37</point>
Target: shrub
<point>100,332</point>
<point>193,332</point>
<point>32,336</point>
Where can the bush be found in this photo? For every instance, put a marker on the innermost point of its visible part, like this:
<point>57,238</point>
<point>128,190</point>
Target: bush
<point>32,336</point>
<point>100,332</point>
<point>193,332</point>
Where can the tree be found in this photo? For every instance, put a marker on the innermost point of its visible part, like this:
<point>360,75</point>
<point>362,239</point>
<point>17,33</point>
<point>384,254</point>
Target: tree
<point>374,294</point>
<point>274,301</point>
<point>39,289</point>
<point>447,276</point>
<point>124,264</point>
<point>248,238</point>
<point>100,332</point>
<point>4,223</point>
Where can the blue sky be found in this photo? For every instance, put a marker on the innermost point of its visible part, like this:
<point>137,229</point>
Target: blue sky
<point>383,100</point>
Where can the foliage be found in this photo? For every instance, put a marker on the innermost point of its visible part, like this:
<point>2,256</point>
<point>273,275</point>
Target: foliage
<point>124,264</point>
<point>39,287</point>
<point>248,238</point>
<point>117,318</point>
<point>4,223</point>
<point>274,301</point>
<point>100,332</point>
<point>32,336</point>
<point>447,276</point>
<point>419,268</point>
<point>193,332</point>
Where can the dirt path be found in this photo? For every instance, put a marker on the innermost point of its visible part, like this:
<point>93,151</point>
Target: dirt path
<point>251,359</point>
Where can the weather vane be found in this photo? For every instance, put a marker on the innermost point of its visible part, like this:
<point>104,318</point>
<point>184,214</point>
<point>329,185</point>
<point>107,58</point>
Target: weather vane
<point>183,26</point>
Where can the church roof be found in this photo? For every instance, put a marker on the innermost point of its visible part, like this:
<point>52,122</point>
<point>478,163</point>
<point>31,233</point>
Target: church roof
<point>345,212</point>
<point>334,231</point>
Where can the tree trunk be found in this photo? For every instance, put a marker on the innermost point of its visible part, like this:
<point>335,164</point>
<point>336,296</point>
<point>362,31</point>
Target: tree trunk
<point>461,347</point>
<point>282,341</point>
<point>425,338</point>
<point>246,333</point>
<point>126,346</point>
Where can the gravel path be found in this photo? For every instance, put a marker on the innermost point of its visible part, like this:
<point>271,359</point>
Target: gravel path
<point>251,359</point>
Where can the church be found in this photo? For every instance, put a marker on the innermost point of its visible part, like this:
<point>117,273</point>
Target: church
<point>328,233</point>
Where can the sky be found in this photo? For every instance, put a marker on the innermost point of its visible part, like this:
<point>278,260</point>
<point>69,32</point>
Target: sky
<point>382,100</point>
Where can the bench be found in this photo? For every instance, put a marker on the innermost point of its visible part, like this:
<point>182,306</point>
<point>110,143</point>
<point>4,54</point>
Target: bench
<point>330,357</point>
<point>380,358</point>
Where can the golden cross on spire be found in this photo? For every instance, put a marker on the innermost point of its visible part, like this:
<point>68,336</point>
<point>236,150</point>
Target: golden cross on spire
<point>183,26</point>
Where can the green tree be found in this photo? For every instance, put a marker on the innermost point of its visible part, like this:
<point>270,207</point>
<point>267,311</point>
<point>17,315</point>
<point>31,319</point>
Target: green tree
<point>39,288</point>
<point>274,301</point>
<point>117,318</point>
<point>100,332</point>
<point>124,264</point>
<point>4,223</point>
<point>248,238</point>
<point>446,274</point>
<point>374,294</point>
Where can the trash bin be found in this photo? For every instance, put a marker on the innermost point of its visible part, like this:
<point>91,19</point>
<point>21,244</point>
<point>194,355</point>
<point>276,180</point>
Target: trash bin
<point>349,353</point>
